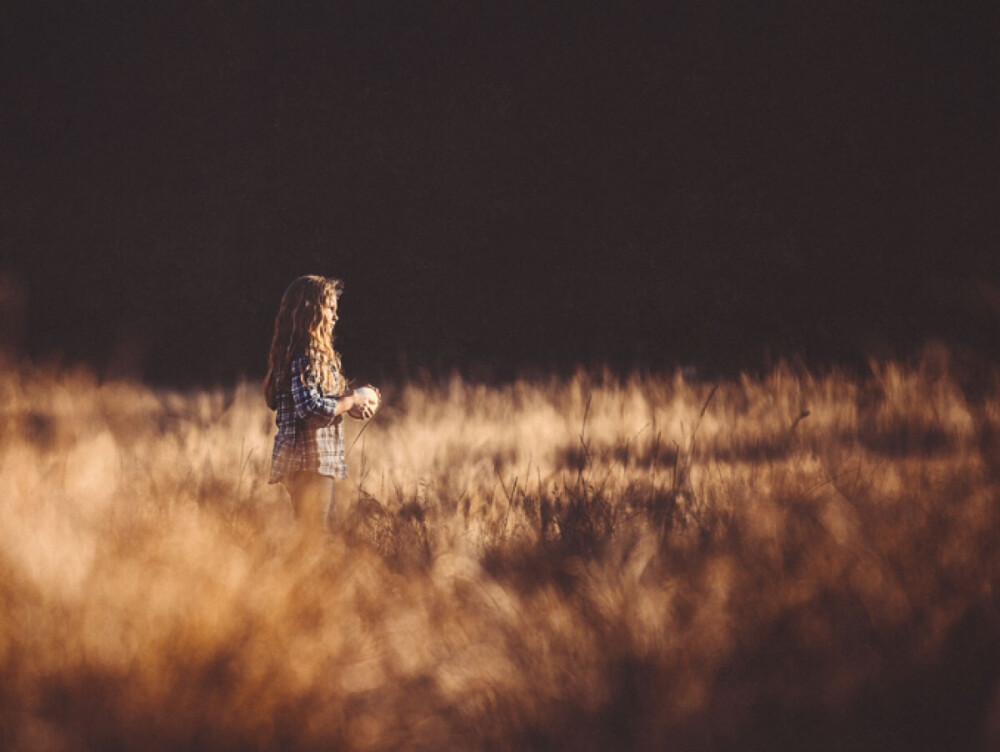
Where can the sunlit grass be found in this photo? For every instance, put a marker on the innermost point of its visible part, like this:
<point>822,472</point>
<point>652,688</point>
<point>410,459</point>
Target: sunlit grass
<point>800,561</point>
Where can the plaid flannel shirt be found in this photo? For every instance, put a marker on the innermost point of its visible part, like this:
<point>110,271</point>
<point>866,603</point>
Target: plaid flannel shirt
<point>310,434</point>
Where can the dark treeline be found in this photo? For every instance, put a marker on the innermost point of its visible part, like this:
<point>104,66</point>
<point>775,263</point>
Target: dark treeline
<point>502,187</point>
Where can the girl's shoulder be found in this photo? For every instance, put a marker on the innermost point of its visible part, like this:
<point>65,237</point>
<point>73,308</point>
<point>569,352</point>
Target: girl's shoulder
<point>300,363</point>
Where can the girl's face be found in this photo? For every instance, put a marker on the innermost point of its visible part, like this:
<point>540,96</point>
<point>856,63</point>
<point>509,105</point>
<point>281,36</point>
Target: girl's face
<point>331,315</point>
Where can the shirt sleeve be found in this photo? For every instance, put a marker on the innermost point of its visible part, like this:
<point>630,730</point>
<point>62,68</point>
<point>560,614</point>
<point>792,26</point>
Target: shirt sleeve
<point>311,404</point>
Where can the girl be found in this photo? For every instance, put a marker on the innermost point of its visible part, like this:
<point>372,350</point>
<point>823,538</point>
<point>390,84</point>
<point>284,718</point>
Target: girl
<point>305,387</point>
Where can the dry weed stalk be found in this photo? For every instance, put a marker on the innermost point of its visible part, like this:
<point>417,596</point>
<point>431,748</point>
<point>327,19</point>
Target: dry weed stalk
<point>537,565</point>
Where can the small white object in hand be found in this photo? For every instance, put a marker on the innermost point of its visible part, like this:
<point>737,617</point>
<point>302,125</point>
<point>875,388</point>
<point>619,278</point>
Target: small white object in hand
<point>370,401</point>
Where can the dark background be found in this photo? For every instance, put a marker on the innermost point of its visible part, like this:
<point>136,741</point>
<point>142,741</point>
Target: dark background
<point>502,186</point>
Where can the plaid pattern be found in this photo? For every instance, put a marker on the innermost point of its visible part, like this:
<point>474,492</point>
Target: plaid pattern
<point>310,436</point>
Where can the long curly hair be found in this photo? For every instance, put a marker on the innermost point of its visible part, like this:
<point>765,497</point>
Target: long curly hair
<point>303,326</point>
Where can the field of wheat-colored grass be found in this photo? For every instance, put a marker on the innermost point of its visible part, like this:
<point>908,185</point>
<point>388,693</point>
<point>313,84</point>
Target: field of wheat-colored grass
<point>792,562</point>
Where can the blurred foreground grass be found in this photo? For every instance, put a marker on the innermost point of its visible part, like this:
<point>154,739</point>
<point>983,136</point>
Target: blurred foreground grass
<point>798,562</point>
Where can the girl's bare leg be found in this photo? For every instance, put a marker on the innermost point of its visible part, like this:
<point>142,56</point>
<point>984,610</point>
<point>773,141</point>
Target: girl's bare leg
<point>312,499</point>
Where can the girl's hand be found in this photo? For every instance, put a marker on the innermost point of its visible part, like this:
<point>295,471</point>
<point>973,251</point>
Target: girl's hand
<point>346,402</point>
<point>359,404</point>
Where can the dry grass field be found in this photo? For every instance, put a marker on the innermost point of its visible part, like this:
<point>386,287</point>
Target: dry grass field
<point>799,562</point>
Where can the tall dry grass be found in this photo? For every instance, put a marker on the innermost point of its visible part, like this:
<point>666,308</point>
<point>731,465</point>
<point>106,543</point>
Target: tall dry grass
<point>793,562</point>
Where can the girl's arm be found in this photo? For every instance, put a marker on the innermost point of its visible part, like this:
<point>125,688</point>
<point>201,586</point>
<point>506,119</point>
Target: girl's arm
<point>311,404</point>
